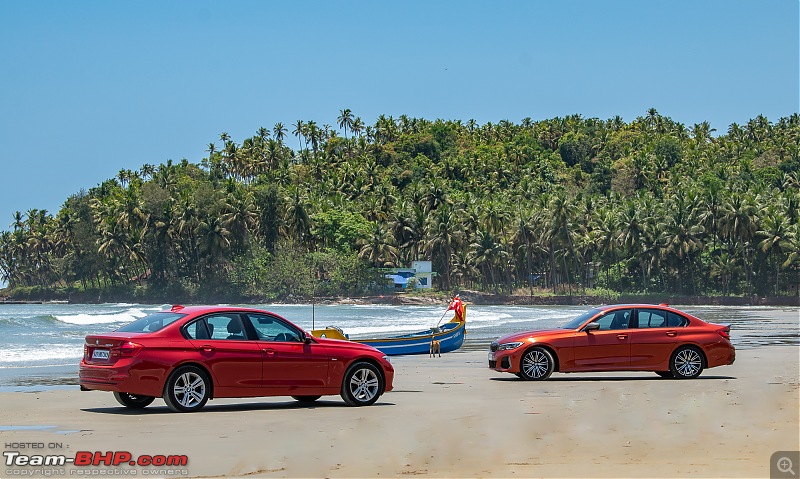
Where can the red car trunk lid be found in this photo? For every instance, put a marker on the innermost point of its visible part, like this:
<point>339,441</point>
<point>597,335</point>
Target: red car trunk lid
<point>108,348</point>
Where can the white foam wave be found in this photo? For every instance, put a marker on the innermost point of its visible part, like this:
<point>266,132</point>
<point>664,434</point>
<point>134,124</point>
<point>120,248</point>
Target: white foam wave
<point>382,325</point>
<point>47,352</point>
<point>119,317</point>
<point>370,306</point>
<point>480,317</point>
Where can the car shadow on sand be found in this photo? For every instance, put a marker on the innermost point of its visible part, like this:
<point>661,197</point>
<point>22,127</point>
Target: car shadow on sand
<point>222,408</point>
<point>567,378</point>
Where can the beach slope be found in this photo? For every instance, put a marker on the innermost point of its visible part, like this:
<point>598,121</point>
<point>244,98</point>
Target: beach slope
<point>452,417</point>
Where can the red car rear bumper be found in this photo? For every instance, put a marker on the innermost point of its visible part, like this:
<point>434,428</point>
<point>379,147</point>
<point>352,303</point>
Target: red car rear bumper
<point>119,378</point>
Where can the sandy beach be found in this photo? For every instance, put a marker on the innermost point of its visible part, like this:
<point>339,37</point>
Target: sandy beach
<point>452,417</point>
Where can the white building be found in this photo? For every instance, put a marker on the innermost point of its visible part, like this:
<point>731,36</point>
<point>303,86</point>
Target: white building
<point>420,274</point>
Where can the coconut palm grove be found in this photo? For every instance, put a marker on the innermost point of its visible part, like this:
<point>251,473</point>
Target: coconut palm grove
<point>558,206</point>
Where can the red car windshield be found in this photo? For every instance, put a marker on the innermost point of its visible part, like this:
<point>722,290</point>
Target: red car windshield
<point>151,323</point>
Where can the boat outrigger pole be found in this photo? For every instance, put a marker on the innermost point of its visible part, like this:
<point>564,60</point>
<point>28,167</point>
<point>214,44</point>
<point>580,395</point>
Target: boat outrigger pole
<point>440,319</point>
<point>313,300</point>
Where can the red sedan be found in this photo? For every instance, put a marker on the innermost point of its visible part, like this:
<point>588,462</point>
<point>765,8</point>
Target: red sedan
<point>188,355</point>
<point>638,337</point>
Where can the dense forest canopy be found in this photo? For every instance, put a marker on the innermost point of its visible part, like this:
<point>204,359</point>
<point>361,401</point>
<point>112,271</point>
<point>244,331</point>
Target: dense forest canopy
<point>561,204</point>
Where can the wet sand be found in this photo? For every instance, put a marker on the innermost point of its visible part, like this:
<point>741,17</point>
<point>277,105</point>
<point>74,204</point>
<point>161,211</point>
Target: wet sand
<point>452,417</point>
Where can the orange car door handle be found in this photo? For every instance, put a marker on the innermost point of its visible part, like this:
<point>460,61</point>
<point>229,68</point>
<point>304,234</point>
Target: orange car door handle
<point>622,336</point>
<point>207,348</point>
<point>672,334</point>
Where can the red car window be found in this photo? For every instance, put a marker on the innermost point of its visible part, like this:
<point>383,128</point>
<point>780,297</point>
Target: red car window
<point>270,328</point>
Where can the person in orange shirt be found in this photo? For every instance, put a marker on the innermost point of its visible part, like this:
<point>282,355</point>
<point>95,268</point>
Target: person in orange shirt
<point>457,306</point>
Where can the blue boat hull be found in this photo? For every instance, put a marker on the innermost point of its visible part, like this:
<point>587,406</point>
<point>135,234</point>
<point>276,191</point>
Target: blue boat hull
<point>450,339</point>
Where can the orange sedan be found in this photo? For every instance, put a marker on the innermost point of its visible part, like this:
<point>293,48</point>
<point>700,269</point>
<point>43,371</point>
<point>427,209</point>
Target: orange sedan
<point>623,337</point>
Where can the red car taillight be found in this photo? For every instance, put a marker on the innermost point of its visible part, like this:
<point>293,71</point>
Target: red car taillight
<point>725,333</point>
<point>130,349</point>
<point>85,350</point>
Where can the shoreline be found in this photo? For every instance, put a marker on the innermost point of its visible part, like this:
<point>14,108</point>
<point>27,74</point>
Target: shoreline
<point>471,297</point>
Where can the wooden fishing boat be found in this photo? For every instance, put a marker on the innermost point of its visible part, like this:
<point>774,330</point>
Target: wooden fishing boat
<point>450,336</point>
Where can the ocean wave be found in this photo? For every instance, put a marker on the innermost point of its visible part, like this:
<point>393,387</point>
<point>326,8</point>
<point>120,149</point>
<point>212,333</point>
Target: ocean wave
<point>12,322</point>
<point>18,356</point>
<point>26,321</point>
<point>480,317</point>
<point>106,318</point>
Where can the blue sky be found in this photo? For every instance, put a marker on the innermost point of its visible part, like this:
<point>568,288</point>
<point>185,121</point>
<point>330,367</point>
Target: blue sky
<point>90,87</point>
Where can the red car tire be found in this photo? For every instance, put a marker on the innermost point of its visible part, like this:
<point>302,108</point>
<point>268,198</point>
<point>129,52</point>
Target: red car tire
<point>133,401</point>
<point>187,390</point>
<point>362,385</point>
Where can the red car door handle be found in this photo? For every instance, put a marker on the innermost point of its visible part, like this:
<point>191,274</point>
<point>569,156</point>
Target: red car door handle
<point>622,336</point>
<point>207,348</point>
<point>270,352</point>
<point>672,334</point>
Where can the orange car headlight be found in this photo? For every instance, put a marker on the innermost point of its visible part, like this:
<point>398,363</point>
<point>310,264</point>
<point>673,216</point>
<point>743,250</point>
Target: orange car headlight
<point>509,346</point>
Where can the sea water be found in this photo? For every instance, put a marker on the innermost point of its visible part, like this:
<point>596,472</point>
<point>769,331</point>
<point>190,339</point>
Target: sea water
<point>43,343</point>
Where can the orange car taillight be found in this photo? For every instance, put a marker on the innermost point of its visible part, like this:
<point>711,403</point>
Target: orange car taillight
<point>130,349</point>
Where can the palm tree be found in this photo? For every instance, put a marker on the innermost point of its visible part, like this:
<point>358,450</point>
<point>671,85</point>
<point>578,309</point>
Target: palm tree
<point>379,247</point>
<point>487,253</point>
<point>524,240</point>
<point>297,217</point>
<point>279,132</point>
<point>357,127</point>
<point>724,267</point>
<point>738,225</point>
<point>147,171</point>
<point>682,233</point>
<point>214,239</point>
<point>560,232</point>
<point>18,223</point>
<point>239,216</point>
<point>299,131</point>
<point>345,120</point>
<point>793,258</point>
<point>124,176</point>
<point>443,234</point>
<point>632,234</point>
<point>314,135</point>
<point>436,195</point>
<point>776,233</point>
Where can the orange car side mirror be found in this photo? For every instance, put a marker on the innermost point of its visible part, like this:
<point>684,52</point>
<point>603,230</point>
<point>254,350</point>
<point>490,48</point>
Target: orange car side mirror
<point>591,327</point>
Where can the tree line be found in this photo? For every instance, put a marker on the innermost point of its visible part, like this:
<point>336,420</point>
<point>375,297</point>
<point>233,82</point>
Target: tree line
<point>561,205</point>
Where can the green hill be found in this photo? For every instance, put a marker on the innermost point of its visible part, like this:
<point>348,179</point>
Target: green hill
<point>565,204</point>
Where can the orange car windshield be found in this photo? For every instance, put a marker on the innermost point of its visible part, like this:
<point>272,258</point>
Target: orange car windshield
<point>577,322</point>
